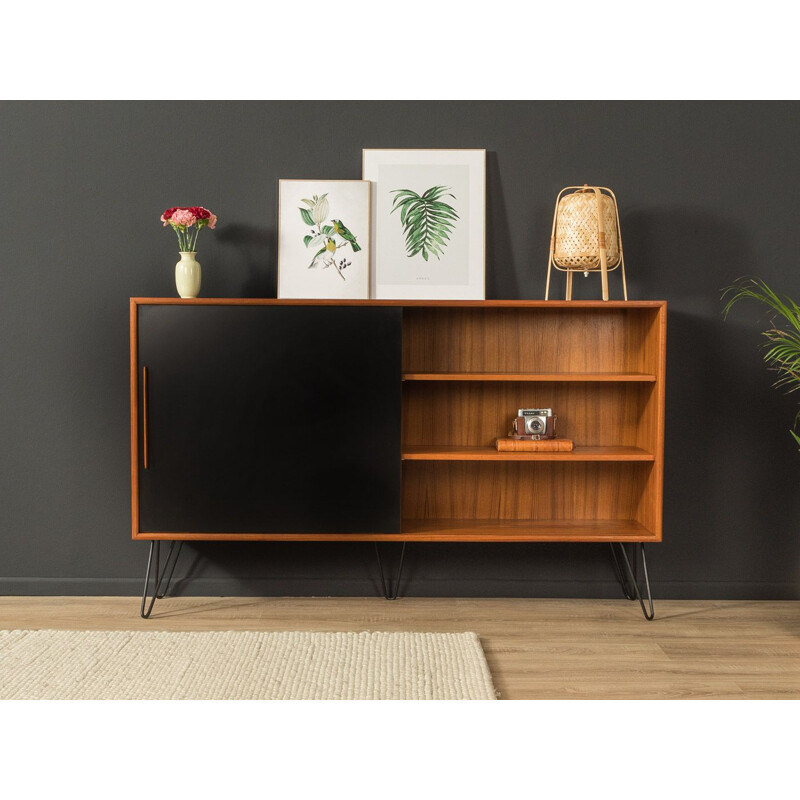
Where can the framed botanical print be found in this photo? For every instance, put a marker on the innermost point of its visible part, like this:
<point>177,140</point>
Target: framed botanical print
<point>323,239</point>
<point>429,223</point>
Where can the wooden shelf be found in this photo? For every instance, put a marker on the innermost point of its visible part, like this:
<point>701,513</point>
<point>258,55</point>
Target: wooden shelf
<point>586,377</point>
<point>454,530</point>
<point>461,453</point>
<point>523,530</point>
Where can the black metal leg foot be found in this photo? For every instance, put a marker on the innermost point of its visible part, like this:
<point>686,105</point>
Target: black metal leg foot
<point>629,578</point>
<point>155,550</point>
<point>387,593</point>
<point>623,581</point>
<point>171,568</point>
<point>158,579</point>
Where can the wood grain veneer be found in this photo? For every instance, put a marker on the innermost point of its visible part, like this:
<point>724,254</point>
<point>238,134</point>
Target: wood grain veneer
<point>475,413</point>
<point>467,453</point>
<point>517,530</point>
<point>535,339</point>
<point>524,490</point>
<point>272,301</point>
<point>582,377</point>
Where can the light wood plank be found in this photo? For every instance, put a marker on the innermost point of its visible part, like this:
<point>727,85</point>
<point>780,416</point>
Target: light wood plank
<point>536,649</point>
<point>446,529</point>
<point>581,377</point>
<point>526,530</point>
<point>467,453</point>
<point>271,301</point>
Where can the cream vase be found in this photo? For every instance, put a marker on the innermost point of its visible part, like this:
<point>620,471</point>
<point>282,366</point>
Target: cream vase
<point>187,275</point>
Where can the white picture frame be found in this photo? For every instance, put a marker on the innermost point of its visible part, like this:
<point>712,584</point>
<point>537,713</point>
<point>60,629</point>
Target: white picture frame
<point>415,261</point>
<point>324,239</point>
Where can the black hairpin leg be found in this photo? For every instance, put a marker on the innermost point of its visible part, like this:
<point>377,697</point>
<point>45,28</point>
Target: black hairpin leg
<point>158,579</point>
<point>629,579</point>
<point>623,582</point>
<point>386,588</point>
<point>171,569</point>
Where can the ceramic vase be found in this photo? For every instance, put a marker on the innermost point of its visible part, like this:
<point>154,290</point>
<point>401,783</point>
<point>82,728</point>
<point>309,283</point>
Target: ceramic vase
<point>187,275</point>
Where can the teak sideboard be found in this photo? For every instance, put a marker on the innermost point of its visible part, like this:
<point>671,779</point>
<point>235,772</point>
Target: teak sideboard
<point>375,420</point>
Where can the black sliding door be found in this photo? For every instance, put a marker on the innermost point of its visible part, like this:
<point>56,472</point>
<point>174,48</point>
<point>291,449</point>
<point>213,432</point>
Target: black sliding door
<point>265,419</point>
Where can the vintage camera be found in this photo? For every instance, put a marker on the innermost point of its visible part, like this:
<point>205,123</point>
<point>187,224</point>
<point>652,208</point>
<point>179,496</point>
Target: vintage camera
<point>534,423</point>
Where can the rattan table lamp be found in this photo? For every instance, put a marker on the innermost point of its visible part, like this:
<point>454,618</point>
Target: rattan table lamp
<point>586,236</point>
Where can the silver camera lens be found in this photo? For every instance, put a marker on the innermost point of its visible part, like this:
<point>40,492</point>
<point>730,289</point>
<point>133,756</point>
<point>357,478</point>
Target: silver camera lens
<point>534,426</point>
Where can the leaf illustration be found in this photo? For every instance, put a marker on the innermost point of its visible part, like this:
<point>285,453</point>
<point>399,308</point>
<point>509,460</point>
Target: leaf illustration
<point>306,215</point>
<point>315,241</point>
<point>426,219</point>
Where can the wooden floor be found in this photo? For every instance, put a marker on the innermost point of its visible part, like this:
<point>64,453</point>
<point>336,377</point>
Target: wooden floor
<point>536,649</point>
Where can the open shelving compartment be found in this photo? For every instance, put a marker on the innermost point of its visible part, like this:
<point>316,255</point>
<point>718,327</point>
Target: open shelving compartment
<point>466,371</point>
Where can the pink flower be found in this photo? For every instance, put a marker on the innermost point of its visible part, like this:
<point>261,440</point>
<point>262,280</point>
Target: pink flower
<point>212,221</point>
<point>183,216</point>
<point>165,217</point>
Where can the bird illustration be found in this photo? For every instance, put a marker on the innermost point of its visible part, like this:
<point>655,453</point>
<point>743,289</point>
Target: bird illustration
<point>340,228</point>
<point>329,247</point>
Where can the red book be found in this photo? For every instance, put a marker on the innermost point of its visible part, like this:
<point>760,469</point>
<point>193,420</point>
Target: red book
<point>556,445</point>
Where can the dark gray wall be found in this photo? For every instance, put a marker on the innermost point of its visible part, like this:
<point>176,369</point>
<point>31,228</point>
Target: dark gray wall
<point>707,192</point>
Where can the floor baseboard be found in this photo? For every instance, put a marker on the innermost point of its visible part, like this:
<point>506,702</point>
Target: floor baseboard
<point>315,587</point>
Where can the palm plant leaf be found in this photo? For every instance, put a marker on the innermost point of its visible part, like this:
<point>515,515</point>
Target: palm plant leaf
<point>781,348</point>
<point>426,219</point>
<point>755,289</point>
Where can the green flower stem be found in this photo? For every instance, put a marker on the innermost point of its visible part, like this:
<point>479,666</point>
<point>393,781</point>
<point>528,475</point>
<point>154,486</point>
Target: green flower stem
<point>187,237</point>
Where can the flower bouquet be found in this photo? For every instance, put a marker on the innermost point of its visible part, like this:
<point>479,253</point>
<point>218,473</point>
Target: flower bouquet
<point>187,222</point>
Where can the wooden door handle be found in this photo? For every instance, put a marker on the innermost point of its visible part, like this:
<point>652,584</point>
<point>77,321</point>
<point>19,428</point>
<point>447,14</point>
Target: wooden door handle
<point>145,462</point>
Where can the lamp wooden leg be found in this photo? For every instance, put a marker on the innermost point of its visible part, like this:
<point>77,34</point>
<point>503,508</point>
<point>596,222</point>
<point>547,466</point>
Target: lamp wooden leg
<point>604,272</point>
<point>547,287</point>
<point>569,285</point>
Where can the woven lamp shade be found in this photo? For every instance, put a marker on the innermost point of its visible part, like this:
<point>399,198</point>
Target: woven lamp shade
<point>585,239</point>
<point>577,237</point>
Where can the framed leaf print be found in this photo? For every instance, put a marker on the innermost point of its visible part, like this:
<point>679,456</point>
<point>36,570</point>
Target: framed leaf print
<point>429,223</point>
<point>323,239</point>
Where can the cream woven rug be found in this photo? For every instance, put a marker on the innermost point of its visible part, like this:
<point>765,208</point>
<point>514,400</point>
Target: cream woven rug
<point>241,665</point>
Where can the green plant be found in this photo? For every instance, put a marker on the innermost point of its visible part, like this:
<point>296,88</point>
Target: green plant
<point>427,221</point>
<point>782,347</point>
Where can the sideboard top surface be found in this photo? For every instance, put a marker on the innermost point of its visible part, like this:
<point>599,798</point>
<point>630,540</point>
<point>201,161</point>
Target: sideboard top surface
<point>271,301</point>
